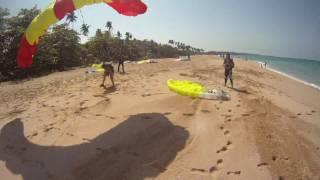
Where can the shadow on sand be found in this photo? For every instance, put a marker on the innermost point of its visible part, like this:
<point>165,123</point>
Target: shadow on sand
<point>138,148</point>
<point>244,91</point>
<point>111,89</point>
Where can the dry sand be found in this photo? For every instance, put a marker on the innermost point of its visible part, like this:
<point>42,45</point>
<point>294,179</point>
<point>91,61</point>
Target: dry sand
<point>64,126</point>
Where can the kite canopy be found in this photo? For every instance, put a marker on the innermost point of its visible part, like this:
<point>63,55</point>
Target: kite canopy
<point>57,11</point>
<point>186,88</point>
<point>196,90</point>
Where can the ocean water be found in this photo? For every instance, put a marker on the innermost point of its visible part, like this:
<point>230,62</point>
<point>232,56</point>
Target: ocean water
<point>303,70</point>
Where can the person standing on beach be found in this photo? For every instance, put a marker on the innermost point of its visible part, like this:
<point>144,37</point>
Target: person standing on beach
<point>228,66</point>
<point>108,71</point>
<point>121,61</point>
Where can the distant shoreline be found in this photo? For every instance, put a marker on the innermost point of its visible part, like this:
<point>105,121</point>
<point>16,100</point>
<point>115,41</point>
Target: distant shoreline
<point>270,68</point>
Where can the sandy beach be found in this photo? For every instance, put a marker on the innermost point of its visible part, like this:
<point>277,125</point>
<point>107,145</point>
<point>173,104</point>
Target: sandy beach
<point>64,126</point>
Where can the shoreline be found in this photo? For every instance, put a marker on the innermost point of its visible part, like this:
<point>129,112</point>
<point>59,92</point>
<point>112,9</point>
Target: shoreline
<point>270,68</point>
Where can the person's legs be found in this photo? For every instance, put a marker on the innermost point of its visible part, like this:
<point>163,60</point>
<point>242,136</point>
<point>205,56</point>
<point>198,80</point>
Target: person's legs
<point>231,79</point>
<point>104,77</point>
<point>225,77</point>
<point>122,67</point>
<point>111,78</point>
<point>231,83</point>
<point>119,66</point>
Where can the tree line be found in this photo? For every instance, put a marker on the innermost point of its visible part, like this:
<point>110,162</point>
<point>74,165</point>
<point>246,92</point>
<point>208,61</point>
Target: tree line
<point>60,48</point>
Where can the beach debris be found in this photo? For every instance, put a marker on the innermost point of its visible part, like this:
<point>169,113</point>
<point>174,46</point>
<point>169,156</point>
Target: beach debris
<point>196,90</point>
<point>57,11</point>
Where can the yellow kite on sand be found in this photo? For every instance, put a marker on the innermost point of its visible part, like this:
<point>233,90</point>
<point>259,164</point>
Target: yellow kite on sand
<point>98,67</point>
<point>196,90</point>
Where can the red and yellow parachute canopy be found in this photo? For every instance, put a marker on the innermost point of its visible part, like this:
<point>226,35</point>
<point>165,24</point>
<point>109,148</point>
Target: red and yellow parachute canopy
<point>57,11</point>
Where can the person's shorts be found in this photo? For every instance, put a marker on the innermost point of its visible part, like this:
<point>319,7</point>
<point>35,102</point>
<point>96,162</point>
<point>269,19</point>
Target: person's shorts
<point>108,70</point>
<point>228,73</point>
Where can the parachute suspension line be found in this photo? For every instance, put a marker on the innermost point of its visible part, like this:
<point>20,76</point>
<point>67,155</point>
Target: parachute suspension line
<point>82,17</point>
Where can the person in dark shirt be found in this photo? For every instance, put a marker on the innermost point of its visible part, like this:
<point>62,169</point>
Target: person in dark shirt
<point>228,66</point>
<point>108,71</point>
<point>121,61</point>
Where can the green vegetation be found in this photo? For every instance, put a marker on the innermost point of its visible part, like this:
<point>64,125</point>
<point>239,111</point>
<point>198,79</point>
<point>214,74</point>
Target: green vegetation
<point>60,48</point>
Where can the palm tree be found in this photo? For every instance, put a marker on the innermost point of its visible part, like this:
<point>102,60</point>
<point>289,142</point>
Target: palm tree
<point>127,36</point>
<point>71,18</point>
<point>109,26</point>
<point>172,42</point>
<point>99,33</point>
<point>119,35</point>
<point>85,29</point>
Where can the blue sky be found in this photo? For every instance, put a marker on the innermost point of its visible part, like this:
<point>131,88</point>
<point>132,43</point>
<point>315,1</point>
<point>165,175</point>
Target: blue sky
<point>289,28</point>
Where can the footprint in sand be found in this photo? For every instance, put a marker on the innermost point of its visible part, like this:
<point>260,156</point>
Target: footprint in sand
<point>221,127</point>
<point>220,162</point>
<point>313,111</point>
<point>246,114</point>
<point>213,169</point>
<point>70,134</point>
<point>286,159</point>
<point>82,103</point>
<point>223,149</point>
<point>274,158</point>
<point>226,132</point>
<point>228,120</point>
<point>205,111</point>
<point>198,170</point>
<point>188,114</point>
<point>262,164</point>
<point>34,134</point>
<point>298,114</point>
<point>229,110</point>
<point>234,172</point>
<point>86,139</point>
<point>48,129</point>
<point>167,113</point>
<point>238,105</point>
